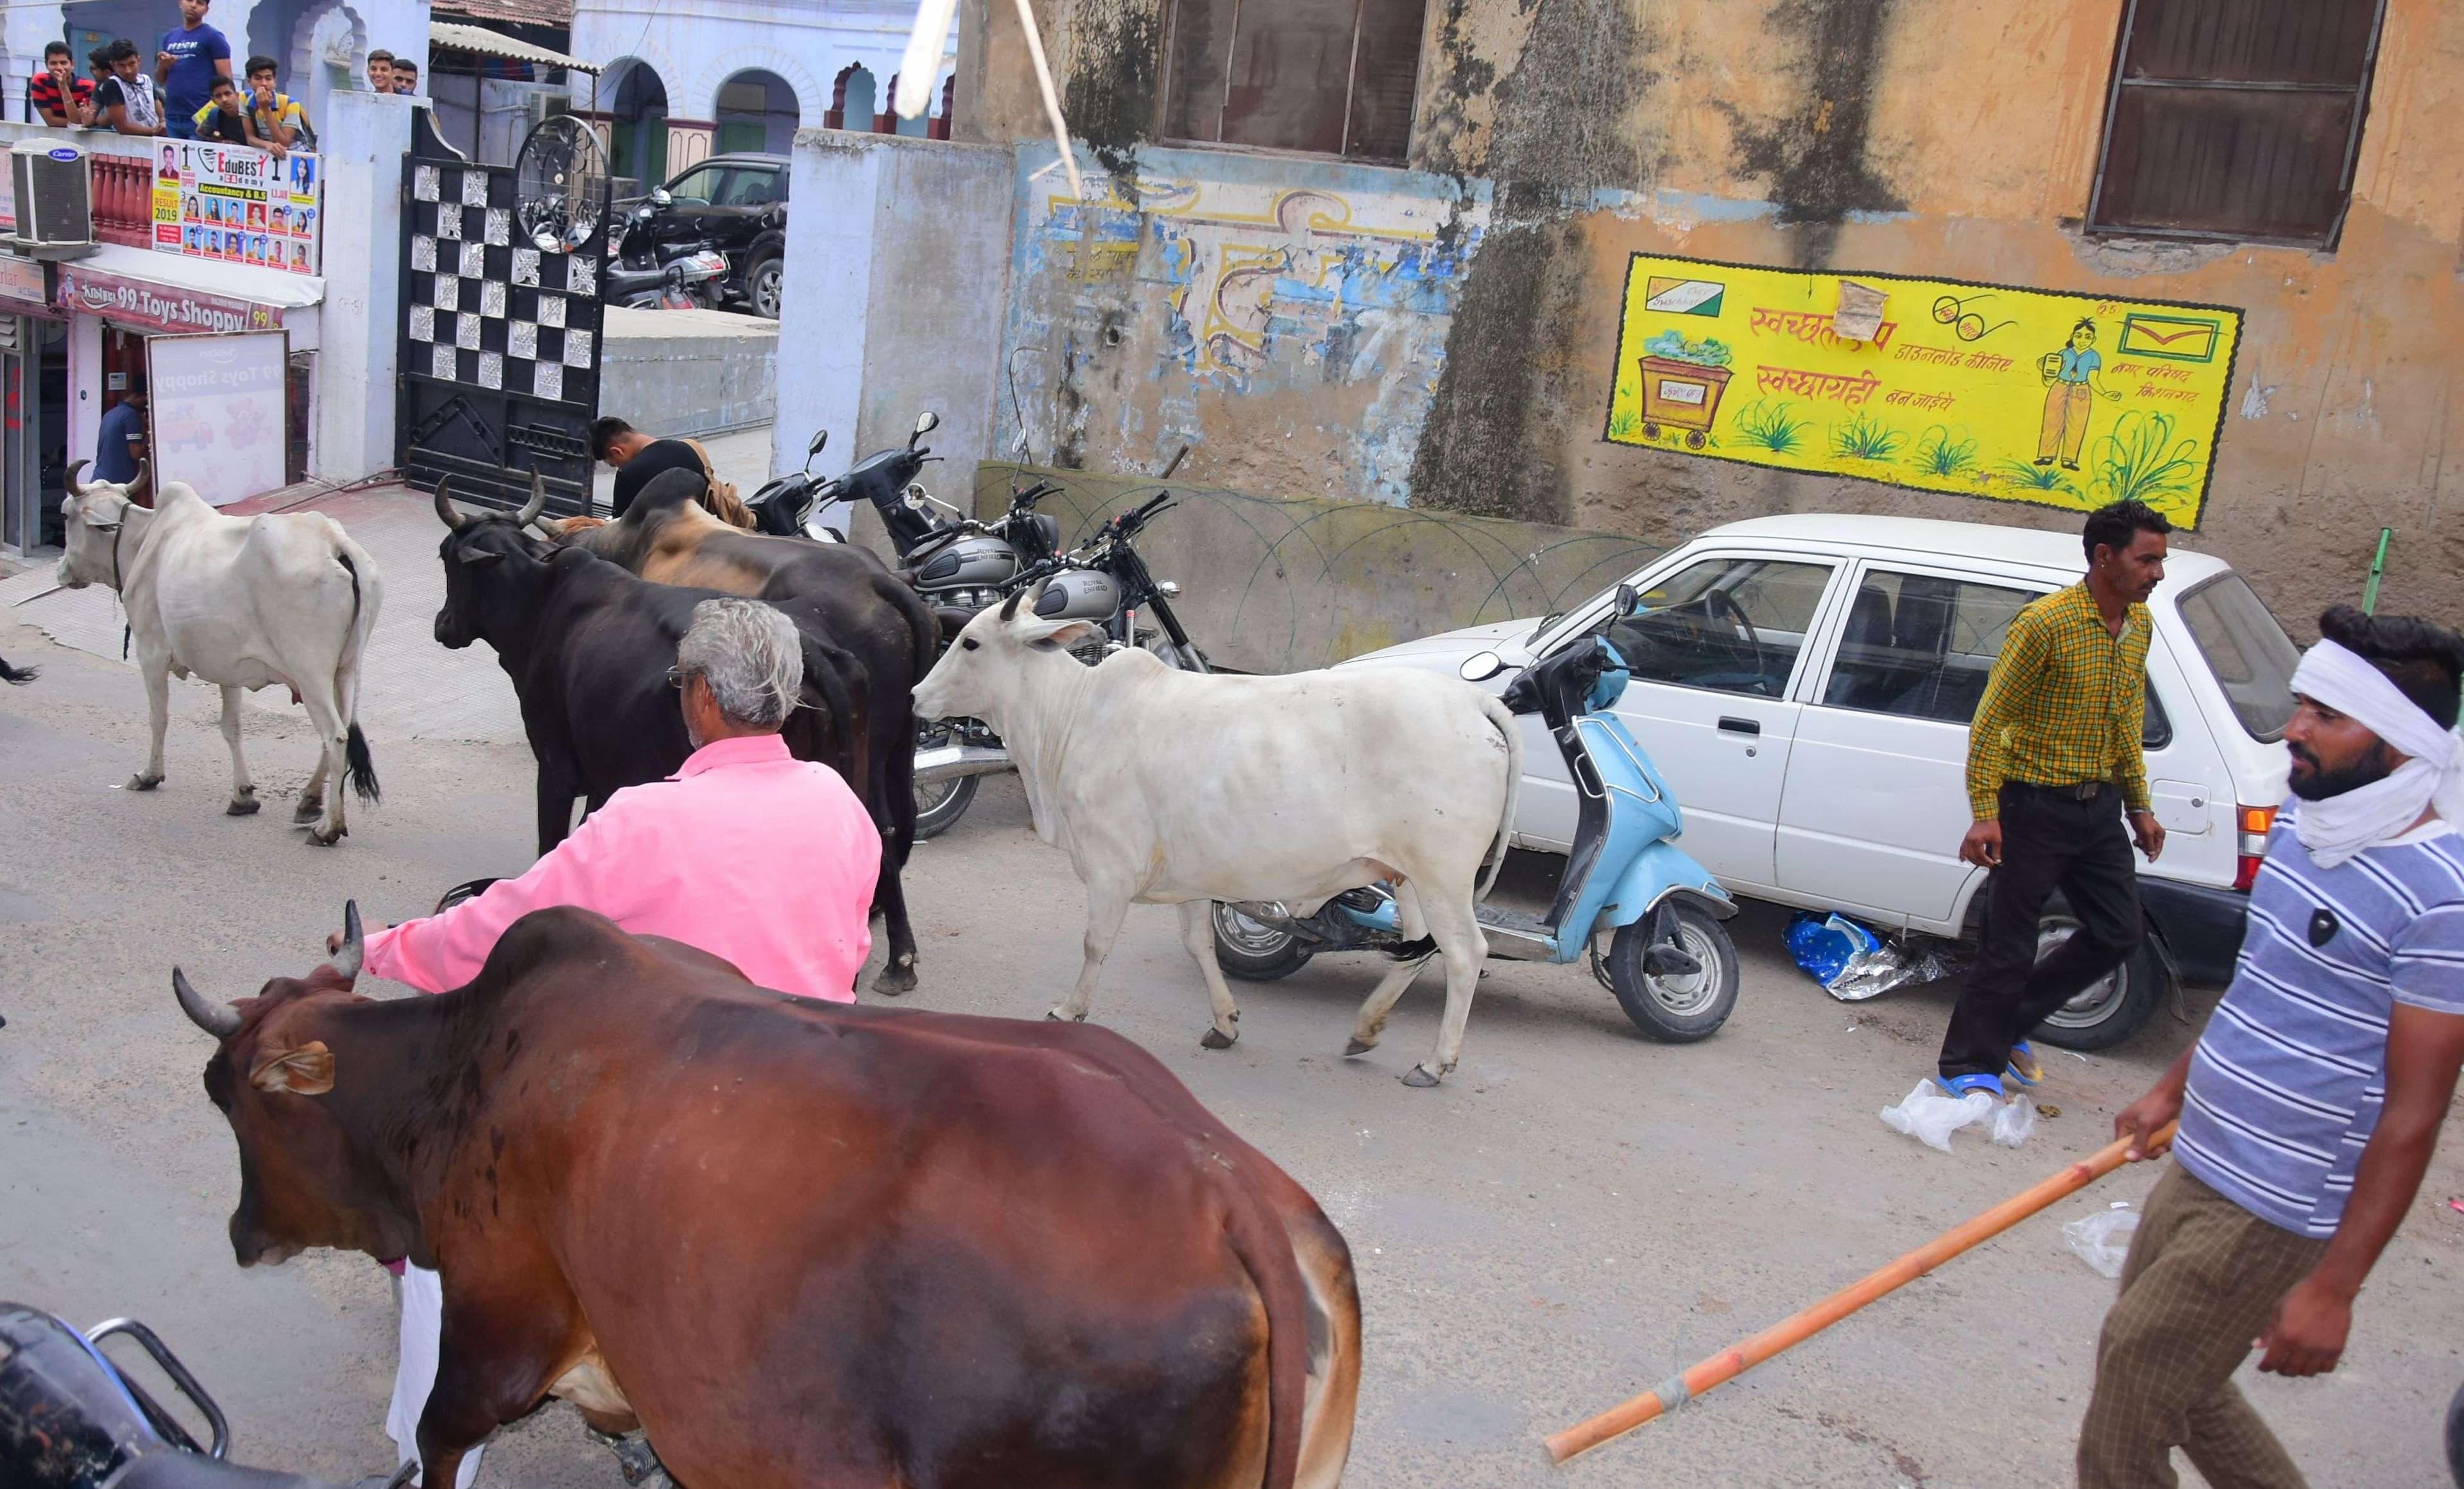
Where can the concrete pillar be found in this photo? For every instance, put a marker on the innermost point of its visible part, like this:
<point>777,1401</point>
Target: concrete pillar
<point>835,186</point>
<point>365,137</point>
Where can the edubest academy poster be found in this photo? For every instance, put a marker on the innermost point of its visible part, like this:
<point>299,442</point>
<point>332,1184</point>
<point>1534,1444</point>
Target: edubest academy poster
<point>238,206</point>
<point>1939,384</point>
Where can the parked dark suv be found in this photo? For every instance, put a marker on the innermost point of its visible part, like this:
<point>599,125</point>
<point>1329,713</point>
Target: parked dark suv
<point>739,204</point>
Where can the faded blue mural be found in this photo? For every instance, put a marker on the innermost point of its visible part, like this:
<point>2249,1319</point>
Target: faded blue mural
<point>1220,300</point>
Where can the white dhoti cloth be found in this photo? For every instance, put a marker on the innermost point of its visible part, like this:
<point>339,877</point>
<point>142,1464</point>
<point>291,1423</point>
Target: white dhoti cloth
<point>423,1330</point>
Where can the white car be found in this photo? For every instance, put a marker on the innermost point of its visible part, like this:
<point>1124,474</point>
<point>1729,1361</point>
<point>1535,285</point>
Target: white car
<point>1805,684</point>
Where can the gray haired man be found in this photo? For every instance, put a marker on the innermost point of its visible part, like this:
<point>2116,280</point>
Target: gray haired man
<point>699,858</point>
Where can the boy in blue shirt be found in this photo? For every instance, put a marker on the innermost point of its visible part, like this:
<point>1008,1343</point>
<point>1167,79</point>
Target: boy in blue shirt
<point>190,58</point>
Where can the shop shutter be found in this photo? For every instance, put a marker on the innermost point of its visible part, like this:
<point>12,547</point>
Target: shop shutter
<point>2235,118</point>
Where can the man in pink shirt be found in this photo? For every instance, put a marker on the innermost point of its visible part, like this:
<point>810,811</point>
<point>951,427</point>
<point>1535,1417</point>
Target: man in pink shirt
<point>745,852</point>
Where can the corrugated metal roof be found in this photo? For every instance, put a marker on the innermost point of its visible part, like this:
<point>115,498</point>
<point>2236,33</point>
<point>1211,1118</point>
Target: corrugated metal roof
<point>554,14</point>
<point>489,43</point>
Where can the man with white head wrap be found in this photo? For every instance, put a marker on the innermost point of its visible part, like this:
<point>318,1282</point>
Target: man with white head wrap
<point>2311,1103</point>
<point>745,852</point>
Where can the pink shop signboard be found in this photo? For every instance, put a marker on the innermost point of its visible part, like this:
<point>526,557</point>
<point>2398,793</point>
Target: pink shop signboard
<point>160,307</point>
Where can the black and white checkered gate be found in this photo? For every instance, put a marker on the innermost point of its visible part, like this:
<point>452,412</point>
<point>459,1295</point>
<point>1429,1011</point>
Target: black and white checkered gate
<point>499,373</point>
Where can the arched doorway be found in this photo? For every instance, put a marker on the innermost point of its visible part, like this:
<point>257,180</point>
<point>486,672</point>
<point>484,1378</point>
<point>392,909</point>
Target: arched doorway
<point>637,131</point>
<point>853,106</point>
<point>756,111</point>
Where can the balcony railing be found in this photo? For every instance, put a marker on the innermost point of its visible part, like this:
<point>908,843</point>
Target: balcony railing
<point>124,200</point>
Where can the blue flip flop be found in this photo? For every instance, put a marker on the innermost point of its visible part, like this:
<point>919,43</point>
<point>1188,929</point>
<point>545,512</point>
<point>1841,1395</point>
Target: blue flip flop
<point>2024,1066</point>
<point>1960,1086</point>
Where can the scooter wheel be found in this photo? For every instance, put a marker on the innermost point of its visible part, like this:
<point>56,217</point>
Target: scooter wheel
<point>1677,1009</point>
<point>1255,953</point>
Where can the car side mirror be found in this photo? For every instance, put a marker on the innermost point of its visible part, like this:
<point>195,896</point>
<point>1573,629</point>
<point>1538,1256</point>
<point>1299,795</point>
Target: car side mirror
<point>1628,600</point>
<point>1481,665</point>
<point>659,197</point>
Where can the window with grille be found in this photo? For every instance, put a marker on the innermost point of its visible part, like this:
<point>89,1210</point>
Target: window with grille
<point>1336,77</point>
<point>2235,118</point>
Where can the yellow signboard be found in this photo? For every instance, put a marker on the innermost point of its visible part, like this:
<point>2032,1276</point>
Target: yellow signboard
<point>1937,384</point>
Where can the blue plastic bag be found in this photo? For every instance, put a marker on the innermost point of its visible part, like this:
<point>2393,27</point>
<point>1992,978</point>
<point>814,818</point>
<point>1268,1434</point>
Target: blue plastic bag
<point>1829,948</point>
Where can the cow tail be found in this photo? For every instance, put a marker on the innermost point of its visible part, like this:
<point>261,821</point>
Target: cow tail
<point>1266,1251</point>
<point>1502,719</point>
<point>359,766</point>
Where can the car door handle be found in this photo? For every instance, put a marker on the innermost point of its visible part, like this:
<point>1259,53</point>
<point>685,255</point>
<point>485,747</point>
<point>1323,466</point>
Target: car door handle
<point>1740,726</point>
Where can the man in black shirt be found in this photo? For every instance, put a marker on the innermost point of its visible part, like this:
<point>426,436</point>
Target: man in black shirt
<point>636,457</point>
<point>223,118</point>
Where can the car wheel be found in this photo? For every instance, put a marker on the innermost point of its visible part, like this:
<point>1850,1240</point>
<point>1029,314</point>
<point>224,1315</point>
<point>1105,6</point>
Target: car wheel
<point>1253,950</point>
<point>2110,1009</point>
<point>762,284</point>
<point>1667,1007</point>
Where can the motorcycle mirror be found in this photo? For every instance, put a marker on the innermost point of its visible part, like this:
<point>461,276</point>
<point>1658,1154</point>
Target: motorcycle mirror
<point>1481,666</point>
<point>1628,599</point>
<point>924,425</point>
<point>813,450</point>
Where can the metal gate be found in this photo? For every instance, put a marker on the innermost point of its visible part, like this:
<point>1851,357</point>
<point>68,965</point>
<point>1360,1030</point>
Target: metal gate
<point>500,341</point>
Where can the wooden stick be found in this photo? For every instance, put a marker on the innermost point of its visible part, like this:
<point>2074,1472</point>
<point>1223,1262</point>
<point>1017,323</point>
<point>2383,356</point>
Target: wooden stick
<point>1051,100</point>
<point>1737,1359</point>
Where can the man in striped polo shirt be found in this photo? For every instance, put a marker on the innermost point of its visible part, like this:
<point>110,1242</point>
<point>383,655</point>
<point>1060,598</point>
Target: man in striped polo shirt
<point>2311,1103</point>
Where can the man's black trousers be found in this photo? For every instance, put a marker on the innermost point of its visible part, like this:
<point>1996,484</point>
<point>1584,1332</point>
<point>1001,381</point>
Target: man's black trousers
<point>2051,839</point>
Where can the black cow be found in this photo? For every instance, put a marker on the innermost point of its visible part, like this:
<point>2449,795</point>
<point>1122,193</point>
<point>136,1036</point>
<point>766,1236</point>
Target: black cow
<point>666,537</point>
<point>588,646</point>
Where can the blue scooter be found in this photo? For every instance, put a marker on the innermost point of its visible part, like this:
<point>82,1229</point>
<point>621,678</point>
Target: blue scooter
<point>1670,962</point>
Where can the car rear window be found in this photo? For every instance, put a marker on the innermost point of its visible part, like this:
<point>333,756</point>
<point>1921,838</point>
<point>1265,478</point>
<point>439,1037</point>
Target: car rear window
<point>2246,651</point>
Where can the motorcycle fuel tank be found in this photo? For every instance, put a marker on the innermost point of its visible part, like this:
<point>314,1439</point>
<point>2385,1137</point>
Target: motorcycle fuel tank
<point>1079,595</point>
<point>970,563</point>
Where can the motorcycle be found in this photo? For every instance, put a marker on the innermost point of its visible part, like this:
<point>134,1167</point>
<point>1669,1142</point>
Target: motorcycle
<point>961,565</point>
<point>1670,963</point>
<point>644,274</point>
<point>71,1418</point>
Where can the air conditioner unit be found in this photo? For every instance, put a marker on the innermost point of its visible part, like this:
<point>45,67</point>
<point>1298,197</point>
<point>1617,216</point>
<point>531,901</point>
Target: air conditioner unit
<point>55,189</point>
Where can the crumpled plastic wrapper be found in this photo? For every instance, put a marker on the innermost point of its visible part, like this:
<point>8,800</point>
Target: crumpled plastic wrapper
<point>1931,1115</point>
<point>2103,1239</point>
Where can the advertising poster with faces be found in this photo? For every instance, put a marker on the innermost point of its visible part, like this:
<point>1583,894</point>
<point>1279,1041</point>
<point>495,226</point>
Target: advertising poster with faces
<point>238,206</point>
<point>218,412</point>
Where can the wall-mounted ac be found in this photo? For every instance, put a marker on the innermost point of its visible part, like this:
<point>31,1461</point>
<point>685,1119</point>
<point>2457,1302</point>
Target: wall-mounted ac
<point>55,189</point>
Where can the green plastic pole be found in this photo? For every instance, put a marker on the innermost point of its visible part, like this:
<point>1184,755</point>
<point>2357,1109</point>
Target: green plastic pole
<point>2378,567</point>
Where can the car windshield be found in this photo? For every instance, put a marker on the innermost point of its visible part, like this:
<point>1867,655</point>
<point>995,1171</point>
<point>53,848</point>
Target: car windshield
<point>2246,651</point>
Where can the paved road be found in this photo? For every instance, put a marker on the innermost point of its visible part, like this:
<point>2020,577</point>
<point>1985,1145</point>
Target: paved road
<point>1575,1215</point>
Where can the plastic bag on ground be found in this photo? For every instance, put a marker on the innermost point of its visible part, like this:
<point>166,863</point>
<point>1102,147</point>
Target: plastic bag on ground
<point>1931,1116</point>
<point>2013,1120</point>
<point>2103,1239</point>
<point>1852,962</point>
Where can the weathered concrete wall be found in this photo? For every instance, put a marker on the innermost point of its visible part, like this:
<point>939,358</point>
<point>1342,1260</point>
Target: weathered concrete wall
<point>1291,337</point>
<point>1276,585</point>
<point>898,266</point>
<point>688,371</point>
<point>1946,138</point>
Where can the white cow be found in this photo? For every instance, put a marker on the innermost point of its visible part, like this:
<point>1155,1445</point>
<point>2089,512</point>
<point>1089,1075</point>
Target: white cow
<point>285,597</point>
<point>1177,788</point>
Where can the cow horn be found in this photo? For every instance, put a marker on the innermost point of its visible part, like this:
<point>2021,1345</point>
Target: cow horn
<point>70,479</point>
<point>219,1020</point>
<point>537,503</point>
<point>445,506</point>
<point>137,481</point>
<point>354,949</point>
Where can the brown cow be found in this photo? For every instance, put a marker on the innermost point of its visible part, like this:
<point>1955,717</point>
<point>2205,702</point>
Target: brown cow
<point>667,537</point>
<point>800,1244</point>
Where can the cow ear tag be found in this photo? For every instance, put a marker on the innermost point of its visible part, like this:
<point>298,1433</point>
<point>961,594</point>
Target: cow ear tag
<point>305,1071</point>
<point>2322,927</point>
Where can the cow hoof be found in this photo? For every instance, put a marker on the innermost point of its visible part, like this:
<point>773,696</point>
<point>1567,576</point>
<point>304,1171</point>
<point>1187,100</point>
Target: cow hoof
<point>897,976</point>
<point>1358,1046</point>
<point>241,806</point>
<point>309,810</point>
<point>1416,1075</point>
<point>1216,1038</point>
<point>326,840</point>
<point>1053,1016</point>
<point>143,782</point>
